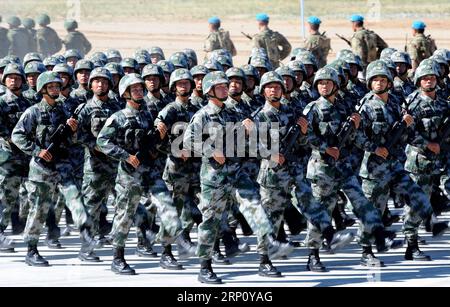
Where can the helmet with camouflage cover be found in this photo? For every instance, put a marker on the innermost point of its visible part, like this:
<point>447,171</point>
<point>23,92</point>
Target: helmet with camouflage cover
<point>28,23</point>
<point>180,74</point>
<point>51,61</point>
<point>13,69</point>
<point>114,68</point>
<point>153,70</point>
<point>215,53</point>
<point>389,63</point>
<point>296,52</point>
<point>401,57</point>
<point>213,65</point>
<point>47,78</point>
<point>73,53</point>
<point>343,52</point>
<point>426,67</point>
<point>199,70</point>
<point>338,68</point>
<point>141,51</point>
<point>307,58</point>
<point>43,20</point>
<point>297,66</point>
<point>192,57</point>
<point>31,57</point>
<point>212,79</point>
<point>63,68</point>
<point>34,68</point>
<point>83,65</point>
<point>13,21</point>
<point>327,73</point>
<point>250,71</point>
<point>377,68</point>
<point>70,24</point>
<point>285,71</point>
<point>235,72</point>
<point>157,50</point>
<point>225,60</point>
<point>99,55</point>
<point>271,77</point>
<point>341,62</point>
<point>351,58</point>
<point>441,61</point>
<point>13,59</point>
<point>4,62</point>
<point>445,53</point>
<point>179,60</point>
<point>142,59</point>
<point>113,54</point>
<point>167,66</point>
<point>129,63</point>
<point>386,53</point>
<point>261,62</point>
<point>100,72</point>
<point>129,80</point>
<point>259,52</point>
<point>60,58</point>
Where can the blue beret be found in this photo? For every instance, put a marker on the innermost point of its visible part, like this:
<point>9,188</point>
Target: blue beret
<point>314,20</point>
<point>262,17</point>
<point>214,20</point>
<point>418,25</point>
<point>356,17</point>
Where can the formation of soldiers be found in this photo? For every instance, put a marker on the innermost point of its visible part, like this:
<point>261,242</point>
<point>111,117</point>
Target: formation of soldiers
<point>223,147</point>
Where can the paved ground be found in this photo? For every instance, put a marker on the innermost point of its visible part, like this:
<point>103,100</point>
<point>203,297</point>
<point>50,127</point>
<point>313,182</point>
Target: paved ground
<point>344,270</point>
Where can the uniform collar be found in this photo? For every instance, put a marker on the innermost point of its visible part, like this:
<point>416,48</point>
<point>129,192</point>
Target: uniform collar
<point>213,109</point>
<point>269,107</point>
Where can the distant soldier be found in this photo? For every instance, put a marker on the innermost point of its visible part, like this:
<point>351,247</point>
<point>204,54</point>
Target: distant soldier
<point>4,44</point>
<point>420,47</point>
<point>18,39</point>
<point>48,42</point>
<point>218,38</point>
<point>271,41</point>
<point>29,24</point>
<point>365,43</point>
<point>317,42</point>
<point>75,39</point>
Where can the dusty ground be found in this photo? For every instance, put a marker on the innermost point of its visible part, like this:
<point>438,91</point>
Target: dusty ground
<point>174,36</point>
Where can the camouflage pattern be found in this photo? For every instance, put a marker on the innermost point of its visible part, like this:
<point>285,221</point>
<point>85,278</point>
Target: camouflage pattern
<point>77,40</point>
<point>320,46</point>
<point>271,41</point>
<point>4,42</point>
<point>420,47</point>
<point>18,41</point>
<point>29,25</point>
<point>367,45</point>
<point>219,39</point>
<point>48,41</point>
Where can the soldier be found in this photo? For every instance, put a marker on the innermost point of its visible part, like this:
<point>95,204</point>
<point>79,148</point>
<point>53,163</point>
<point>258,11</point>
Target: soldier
<point>317,42</point>
<point>179,60</point>
<point>129,65</point>
<point>113,55</point>
<point>117,73</point>
<point>221,180</point>
<point>253,99</point>
<point>29,24</point>
<point>271,41</point>
<point>126,138</point>
<point>18,38</point>
<point>192,57</point>
<point>48,42</point>
<point>13,162</point>
<point>420,47</point>
<point>355,86</point>
<point>32,72</point>
<point>4,43</point>
<point>72,56</point>
<point>218,38</point>
<point>402,83</point>
<point>380,169</point>
<point>75,39</point>
<point>168,68</point>
<point>81,73</point>
<point>365,43</point>
<point>300,74</point>
<point>31,57</point>
<point>50,168</point>
<point>156,54</point>
<point>198,99</point>
<point>310,64</point>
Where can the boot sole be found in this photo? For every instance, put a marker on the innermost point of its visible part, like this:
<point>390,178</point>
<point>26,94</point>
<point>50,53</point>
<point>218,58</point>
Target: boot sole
<point>89,260</point>
<point>412,259</point>
<point>178,268</point>
<point>123,273</point>
<point>218,282</point>
<point>378,265</point>
<point>146,255</point>
<point>7,251</point>
<point>270,276</point>
<point>36,264</point>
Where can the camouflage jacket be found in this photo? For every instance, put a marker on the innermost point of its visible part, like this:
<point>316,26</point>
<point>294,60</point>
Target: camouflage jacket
<point>4,42</point>
<point>368,45</point>
<point>77,40</point>
<point>219,40</point>
<point>255,102</point>
<point>358,89</point>
<point>48,42</point>
<point>309,90</point>
<point>320,46</point>
<point>421,47</point>
<point>271,41</point>
<point>81,94</point>
<point>31,95</point>
<point>405,87</point>
<point>32,43</point>
<point>154,105</point>
<point>18,42</point>
<point>198,101</point>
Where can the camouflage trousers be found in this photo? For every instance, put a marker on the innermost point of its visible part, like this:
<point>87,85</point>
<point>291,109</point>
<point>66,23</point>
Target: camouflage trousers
<point>278,188</point>
<point>129,189</point>
<point>234,185</point>
<point>40,196</point>
<point>417,209</point>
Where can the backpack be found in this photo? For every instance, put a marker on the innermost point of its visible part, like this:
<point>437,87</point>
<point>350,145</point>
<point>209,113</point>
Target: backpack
<point>370,39</point>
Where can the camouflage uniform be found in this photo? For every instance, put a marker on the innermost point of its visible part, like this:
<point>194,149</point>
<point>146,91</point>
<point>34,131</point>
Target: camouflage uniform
<point>48,41</point>
<point>367,45</point>
<point>219,39</point>
<point>420,47</point>
<point>319,45</point>
<point>30,94</point>
<point>29,25</point>
<point>18,38</point>
<point>271,41</point>
<point>402,84</point>
<point>75,39</point>
<point>4,43</point>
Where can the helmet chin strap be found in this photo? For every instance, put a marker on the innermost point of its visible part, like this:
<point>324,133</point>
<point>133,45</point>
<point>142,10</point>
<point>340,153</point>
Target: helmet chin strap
<point>215,96</point>
<point>429,90</point>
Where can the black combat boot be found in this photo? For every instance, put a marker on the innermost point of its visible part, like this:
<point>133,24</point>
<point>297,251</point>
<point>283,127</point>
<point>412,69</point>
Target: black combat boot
<point>341,203</point>
<point>336,240</point>
<point>314,264</point>
<point>119,265</point>
<point>266,268</point>
<point>277,249</point>
<point>369,259</point>
<point>144,249</point>
<point>33,258</point>
<point>168,261</point>
<point>384,240</point>
<point>389,218</point>
<point>218,257</point>
<point>438,228</point>
<point>414,253</point>
<point>17,224</point>
<point>6,244</point>
<point>206,275</point>
<point>88,244</point>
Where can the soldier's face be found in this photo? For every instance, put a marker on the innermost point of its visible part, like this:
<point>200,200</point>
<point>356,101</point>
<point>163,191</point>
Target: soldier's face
<point>325,87</point>
<point>13,82</point>
<point>353,70</point>
<point>137,92</point>
<point>114,60</point>
<point>83,76</point>
<point>53,90</point>
<point>183,88</point>
<point>251,83</point>
<point>129,70</point>
<point>309,70</point>
<point>116,79</point>
<point>72,61</point>
<point>152,83</point>
<point>236,87</point>
<point>220,91</point>
<point>289,83</point>
<point>100,86</point>
<point>198,80</point>
<point>273,92</point>
<point>401,68</point>
<point>32,80</point>
<point>167,77</point>
<point>379,84</point>
<point>298,78</point>
<point>155,58</point>
<point>428,83</point>
<point>261,70</point>
<point>66,79</point>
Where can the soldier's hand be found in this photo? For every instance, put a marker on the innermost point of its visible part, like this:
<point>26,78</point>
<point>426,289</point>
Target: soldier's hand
<point>162,128</point>
<point>248,124</point>
<point>303,123</point>
<point>278,158</point>
<point>134,161</point>
<point>46,155</point>
<point>219,157</point>
<point>333,152</point>
<point>434,147</point>
<point>184,154</point>
<point>73,124</point>
<point>409,120</point>
<point>356,119</point>
<point>382,152</point>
